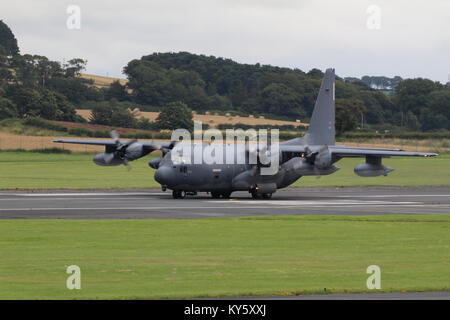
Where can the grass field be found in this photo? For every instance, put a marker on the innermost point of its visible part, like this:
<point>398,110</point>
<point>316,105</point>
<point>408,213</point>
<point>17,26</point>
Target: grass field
<point>28,170</point>
<point>222,257</point>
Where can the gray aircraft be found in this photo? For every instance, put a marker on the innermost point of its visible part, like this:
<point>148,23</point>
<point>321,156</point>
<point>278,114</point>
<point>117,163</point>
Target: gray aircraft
<point>315,153</point>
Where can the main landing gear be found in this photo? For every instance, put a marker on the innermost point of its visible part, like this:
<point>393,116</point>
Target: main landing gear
<point>178,194</point>
<point>181,194</point>
<point>220,195</point>
<point>256,195</point>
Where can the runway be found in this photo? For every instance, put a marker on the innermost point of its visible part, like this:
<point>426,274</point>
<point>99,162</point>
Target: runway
<point>155,204</point>
<point>433,295</point>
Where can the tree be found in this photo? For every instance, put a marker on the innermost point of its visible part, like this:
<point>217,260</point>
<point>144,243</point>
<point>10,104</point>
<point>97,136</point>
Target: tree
<point>6,76</point>
<point>175,115</point>
<point>46,103</point>
<point>8,42</point>
<point>107,113</point>
<point>437,113</point>
<point>77,90</point>
<point>348,114</point>
<point>198,81</point>
<point>315,73</point>
<point>7,109</point>
<point>74,67</point>
<point>280,99</point>
<point>116,91</point>
<point>413,94</point>
<point>55,106</point>
<point>27,101</point>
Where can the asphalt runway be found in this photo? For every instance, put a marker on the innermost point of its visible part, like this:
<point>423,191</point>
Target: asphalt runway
<point>155,204</point>
<point>433,295</point>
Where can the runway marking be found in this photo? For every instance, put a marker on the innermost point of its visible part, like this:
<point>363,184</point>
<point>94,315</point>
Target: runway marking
<point>319,202</point>
<point>215,207</point>
<point>65,199</point>
<point>87,194</point>
<point>394,195</point>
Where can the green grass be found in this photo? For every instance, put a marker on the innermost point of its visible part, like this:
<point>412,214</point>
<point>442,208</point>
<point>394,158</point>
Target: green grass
<point>28,170</point>
<point>17,126</point>
<point>121,259</point>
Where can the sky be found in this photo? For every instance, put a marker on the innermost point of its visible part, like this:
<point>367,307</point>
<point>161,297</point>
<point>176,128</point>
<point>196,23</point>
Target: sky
<point>356,37</point>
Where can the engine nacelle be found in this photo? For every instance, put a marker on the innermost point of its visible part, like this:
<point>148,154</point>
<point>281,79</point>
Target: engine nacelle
<point>302,167</point>
<point>135,151</point>
<point>262,188</point>
<point>372,170</point>
<point>107,160</point>
<point>323,160</point>
<point>154,163</point>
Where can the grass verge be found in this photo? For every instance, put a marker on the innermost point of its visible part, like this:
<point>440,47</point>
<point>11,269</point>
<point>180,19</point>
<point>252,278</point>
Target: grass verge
<point>31,170</point>
<point>128,259</point>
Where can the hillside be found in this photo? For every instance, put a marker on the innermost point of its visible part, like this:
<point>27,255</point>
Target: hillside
<point>214,120</point>
<point>102,81</point>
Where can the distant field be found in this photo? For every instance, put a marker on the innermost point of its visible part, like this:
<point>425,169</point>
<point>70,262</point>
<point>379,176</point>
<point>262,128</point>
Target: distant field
<point>28,170</point>
<point>129,259</point>
<point>103,81</point>
<point>213,120</point>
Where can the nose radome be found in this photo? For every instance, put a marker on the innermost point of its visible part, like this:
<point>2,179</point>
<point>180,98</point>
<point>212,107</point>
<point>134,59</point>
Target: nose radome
<point>165,176</point>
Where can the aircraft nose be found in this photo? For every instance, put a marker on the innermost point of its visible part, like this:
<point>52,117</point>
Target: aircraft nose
<point>165,176</point>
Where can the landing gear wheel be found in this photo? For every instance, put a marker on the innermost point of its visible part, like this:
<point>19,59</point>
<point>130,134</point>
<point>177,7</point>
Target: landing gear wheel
<point>225,195</point>
<point>178,194</point>
<point>215,195</point>
<point>267,195</point>
<point>220,195</point>
<point>255,195</point>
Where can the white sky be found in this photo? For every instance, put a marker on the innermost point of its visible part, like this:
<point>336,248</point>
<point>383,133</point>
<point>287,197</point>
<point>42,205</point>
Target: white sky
<point>413,41</point>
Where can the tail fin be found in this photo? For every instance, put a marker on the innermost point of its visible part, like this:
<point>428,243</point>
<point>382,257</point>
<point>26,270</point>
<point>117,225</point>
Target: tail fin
<point>322,125</point>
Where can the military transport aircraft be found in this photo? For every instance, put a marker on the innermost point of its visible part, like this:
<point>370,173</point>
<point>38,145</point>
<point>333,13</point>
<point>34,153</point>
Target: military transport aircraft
<point>312,154</point>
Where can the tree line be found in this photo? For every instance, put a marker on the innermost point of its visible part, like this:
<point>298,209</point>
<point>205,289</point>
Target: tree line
<point>33,85</point>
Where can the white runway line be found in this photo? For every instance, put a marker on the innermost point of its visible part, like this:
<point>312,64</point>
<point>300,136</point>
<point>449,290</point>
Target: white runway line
<point>87,194</point>
<point>215,207</point>
<point>394,195</point>
<point>317,202</point>
<point>110,199</point>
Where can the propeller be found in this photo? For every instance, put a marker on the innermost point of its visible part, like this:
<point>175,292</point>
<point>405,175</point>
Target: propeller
<point>164,150</point>
<point>315,158</point>
<point>120,151</point>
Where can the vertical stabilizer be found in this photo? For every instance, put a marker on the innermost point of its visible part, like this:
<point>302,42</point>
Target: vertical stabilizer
<point>322,125</point>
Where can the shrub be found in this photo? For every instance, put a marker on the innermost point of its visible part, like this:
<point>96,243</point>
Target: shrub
<point>44,124</point>
<point>82,132</point>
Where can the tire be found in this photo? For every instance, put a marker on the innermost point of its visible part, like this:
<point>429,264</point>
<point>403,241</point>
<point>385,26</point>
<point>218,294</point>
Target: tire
<point>267,195</point>
<point>215,194</point>
<point>178,194</point>
<point>255,195</point>
<point>225,195</point>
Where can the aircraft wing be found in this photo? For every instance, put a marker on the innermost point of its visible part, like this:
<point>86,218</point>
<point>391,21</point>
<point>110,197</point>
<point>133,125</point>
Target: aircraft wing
<point>348,151</point>
<point>343,151</point>
<point>89,142</point>
<point>147,144</point>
